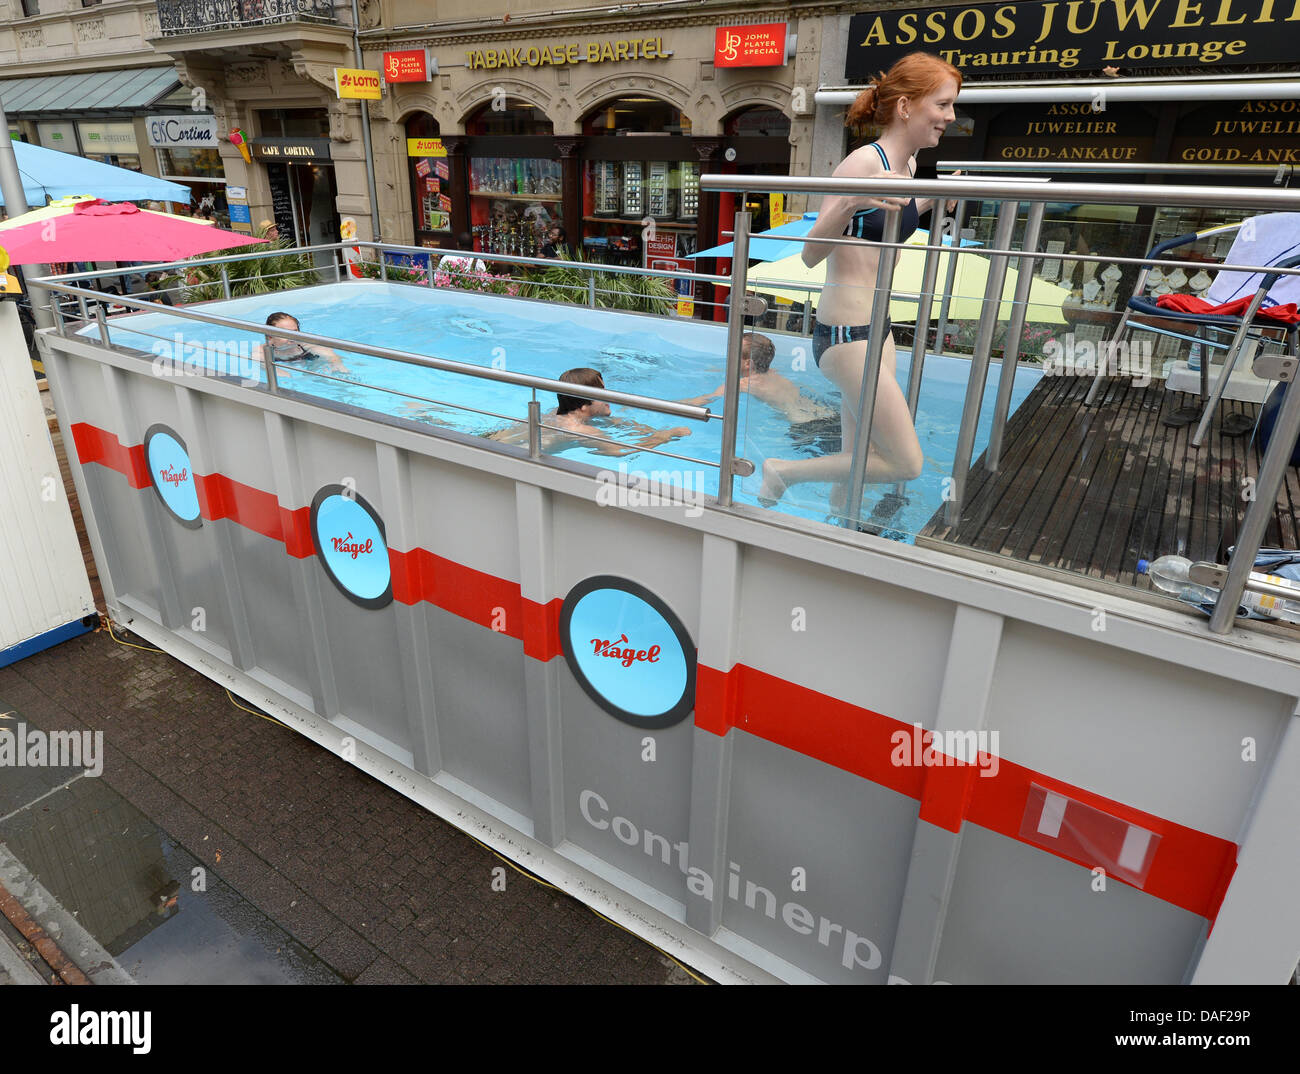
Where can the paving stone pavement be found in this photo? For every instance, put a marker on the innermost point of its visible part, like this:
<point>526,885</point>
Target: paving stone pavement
<point>376,887</point>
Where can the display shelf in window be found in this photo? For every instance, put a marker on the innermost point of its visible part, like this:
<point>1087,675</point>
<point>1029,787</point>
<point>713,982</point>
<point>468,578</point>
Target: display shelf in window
<point>657,200</point>
<point>524,177</point>
<point>607,187</point>
<point>690,191</point>
<point>633,190</point>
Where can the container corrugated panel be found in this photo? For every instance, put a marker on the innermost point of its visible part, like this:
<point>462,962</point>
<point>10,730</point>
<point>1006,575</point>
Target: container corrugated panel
<point>43,582</point>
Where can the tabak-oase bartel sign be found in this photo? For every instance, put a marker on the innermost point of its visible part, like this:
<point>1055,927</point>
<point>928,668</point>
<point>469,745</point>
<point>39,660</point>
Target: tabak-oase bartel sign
<point>1079,35</point>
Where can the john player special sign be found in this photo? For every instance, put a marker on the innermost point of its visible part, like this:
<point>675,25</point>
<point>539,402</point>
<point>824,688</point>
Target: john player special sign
<point>1079,35</point>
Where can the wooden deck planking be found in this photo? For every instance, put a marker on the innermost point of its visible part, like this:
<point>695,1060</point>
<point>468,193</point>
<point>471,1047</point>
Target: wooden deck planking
<point>1093,489</point>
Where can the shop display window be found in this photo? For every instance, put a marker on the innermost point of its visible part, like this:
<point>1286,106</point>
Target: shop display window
<point>431,187</point>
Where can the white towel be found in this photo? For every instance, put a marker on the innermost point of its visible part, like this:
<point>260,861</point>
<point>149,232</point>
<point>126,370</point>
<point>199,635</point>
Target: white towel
<point>1262,240</point>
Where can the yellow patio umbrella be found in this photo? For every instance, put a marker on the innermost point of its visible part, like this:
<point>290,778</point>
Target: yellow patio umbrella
<point>791,279</point>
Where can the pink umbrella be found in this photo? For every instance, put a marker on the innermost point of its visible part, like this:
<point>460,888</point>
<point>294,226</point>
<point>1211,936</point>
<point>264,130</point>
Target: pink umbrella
<point>94,230</point>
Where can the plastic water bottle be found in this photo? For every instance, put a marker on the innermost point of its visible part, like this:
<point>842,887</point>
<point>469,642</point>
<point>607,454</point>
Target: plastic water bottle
<point>1169,573</point>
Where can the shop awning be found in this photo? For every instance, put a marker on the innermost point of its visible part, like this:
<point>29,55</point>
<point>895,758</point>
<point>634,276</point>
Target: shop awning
<point>132,90</point>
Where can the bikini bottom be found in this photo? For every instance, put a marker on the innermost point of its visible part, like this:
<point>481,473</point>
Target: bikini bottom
<point>831,335</point>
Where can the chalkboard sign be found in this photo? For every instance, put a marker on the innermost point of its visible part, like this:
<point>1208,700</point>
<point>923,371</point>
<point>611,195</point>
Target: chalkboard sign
<point>281,203</point>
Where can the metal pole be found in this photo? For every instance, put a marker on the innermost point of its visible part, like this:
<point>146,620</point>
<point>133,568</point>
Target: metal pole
<point>591,292</point>
<point>735,339</point>
<point>534,429</point>
<point>871,371</point>
<point>929,277</point>
<point>11,185</point>
<point>979,366</point>
<point>1271,473</point>
<point>365,131</point>
<point>1015,329</point>
<point>225,281</point>
<point>949,279</point>
<point>1234,352</point>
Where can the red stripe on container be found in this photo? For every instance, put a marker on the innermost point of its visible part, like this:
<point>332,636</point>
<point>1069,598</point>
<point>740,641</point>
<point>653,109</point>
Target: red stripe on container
<point>98,445</point>
<point>1191,869</point>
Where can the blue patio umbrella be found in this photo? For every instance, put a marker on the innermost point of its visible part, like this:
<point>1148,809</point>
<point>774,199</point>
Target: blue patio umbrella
<point>766,245</point>
<point>49,174</point>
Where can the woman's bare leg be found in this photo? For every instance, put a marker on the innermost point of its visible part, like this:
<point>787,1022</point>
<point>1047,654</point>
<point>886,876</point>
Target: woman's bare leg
<point>895,453</point>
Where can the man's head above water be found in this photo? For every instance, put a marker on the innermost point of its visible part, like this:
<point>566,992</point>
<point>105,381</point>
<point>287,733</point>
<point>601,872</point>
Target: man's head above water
<point>586,378</point>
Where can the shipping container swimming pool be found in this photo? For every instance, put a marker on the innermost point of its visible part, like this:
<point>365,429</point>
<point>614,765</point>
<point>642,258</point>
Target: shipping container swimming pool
<point>653,356</point>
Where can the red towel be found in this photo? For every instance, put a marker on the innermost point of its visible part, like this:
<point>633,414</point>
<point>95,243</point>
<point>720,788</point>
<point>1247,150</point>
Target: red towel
<point>1288,313</point>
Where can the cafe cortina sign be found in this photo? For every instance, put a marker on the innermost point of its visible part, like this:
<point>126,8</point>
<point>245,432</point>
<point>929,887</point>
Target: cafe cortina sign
<point>1082,35</point>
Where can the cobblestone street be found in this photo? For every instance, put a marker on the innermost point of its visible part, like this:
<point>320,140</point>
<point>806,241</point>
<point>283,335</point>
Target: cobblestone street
<point>376,889</point>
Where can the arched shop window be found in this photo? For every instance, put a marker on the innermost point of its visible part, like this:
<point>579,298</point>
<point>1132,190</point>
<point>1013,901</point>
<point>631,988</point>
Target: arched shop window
<point>640,162</point>
<point>431,182</point>
<point>516,182</point>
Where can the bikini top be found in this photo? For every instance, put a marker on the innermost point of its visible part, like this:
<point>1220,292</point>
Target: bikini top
<point>870,223</point>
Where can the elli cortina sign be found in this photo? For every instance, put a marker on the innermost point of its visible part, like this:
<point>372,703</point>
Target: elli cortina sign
<point>1082,35</point>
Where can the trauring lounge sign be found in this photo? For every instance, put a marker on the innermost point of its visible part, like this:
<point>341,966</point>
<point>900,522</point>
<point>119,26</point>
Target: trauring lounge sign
<point>1082,35</point>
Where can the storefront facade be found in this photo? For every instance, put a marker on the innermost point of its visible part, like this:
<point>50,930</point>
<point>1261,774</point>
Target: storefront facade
<point>1185,93</point>
<point>604,135</point>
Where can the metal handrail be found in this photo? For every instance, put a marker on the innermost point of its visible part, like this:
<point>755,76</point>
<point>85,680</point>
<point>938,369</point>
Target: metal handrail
<point>1118,167</point>
<point>476,255</point>
<point>522,380</point>
<point>1003,190</point>
<point>1010,193</point>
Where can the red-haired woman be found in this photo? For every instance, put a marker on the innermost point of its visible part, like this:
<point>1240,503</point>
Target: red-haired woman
<point>912,104</point>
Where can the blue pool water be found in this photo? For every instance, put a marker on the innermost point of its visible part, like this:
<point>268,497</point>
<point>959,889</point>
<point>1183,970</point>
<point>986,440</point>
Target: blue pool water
<point>661,357</point>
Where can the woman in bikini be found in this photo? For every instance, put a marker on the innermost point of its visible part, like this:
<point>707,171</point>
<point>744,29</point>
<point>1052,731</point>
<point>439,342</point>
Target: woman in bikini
<point>913,104</point>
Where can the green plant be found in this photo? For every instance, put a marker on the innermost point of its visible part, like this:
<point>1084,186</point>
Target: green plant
<point>280,268</point>
<point>393,274</point>
<point>614,290</point>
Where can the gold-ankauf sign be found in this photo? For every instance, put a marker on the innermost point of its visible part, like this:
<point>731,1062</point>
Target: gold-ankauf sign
<point>1081,36</point>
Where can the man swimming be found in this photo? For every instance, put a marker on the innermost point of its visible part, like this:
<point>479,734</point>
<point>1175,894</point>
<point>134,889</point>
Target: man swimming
<point>570,424</point>
<point>775,389</point>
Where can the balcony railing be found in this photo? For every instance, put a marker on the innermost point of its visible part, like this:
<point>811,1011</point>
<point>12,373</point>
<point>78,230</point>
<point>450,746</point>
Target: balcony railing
<point>199,16</point>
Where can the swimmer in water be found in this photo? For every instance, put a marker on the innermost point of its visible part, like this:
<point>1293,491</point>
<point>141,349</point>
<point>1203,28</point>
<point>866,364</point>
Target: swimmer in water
<point>778,391</point>
<point>286,350</point>
<point>570,424</point>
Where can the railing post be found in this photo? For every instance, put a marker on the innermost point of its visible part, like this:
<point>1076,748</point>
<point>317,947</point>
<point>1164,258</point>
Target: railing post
<point>101,319</point>
<point>949,279</point>
<point>1271,474</point>
<point>225,280</point>
<point>861,448</point>
<point>735,339</point>
<point>591,291</point>
<point>939,224</point>
<point>534,429</point>
<point>979,366</point>
<point>1229,361</point>
<point>1015,329</point>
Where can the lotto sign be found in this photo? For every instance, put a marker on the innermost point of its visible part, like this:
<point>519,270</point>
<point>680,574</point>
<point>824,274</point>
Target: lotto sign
<point>750,46</point>
<point>357,85</point>
<point>408,65</point>
<point>426,147</point>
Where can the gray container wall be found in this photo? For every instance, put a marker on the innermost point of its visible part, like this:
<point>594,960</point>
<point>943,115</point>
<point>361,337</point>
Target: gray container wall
<point>773,832</point>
